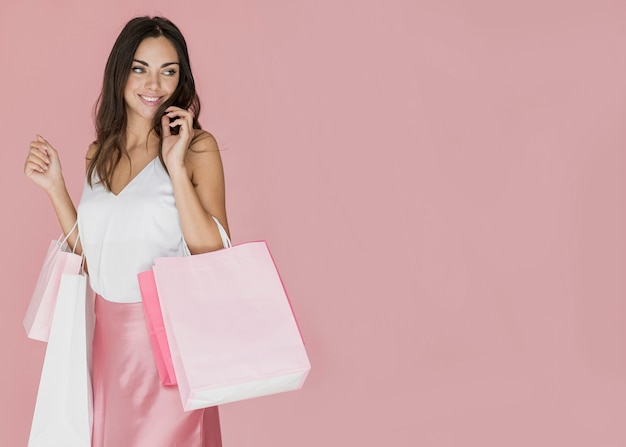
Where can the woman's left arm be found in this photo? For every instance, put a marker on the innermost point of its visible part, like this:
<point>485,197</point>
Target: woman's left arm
<point>197,175</point>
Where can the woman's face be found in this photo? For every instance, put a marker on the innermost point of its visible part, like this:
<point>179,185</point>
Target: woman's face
<point>153,77</point>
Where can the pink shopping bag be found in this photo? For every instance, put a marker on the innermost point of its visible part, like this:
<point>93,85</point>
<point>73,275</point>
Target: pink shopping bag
<point>156,328</point>
<point>230,326</point>
<point>58,261</point>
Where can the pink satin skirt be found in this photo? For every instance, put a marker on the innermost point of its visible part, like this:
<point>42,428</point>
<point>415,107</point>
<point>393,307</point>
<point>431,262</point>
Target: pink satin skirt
<point>131,407</point>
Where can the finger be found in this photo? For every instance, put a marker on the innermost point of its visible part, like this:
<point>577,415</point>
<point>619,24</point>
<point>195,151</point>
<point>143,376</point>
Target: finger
<point>36,156</point>
<point>165,126</point>
<point>38,144</point>
<point>41,147</point>
<point>47,147</point>
<point>174,109</point>
<point>178,122</point>
<point>41,139</point>
<point>35,152</point>
<point>180,113</point>
<point>32,166</point>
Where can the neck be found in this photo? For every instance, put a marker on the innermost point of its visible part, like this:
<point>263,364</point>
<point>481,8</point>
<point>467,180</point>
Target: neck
<point>139,133</point>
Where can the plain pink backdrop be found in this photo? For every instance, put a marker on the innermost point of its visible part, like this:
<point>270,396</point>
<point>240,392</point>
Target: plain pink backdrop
<point>442,183</point>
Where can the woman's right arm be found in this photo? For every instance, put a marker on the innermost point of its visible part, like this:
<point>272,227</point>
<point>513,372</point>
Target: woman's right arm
<point>44,169</point>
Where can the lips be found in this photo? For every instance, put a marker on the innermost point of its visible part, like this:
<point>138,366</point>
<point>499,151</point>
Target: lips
<point>150,101</point>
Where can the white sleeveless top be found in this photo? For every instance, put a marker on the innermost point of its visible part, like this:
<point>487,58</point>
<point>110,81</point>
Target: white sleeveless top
<point>122,234</point>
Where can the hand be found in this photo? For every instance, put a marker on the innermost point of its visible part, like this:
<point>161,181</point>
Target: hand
<point>175,147</point>
<point>43,166</point>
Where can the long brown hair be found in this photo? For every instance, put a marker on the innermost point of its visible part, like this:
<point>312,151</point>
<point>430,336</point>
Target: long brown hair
<point>111,109</point>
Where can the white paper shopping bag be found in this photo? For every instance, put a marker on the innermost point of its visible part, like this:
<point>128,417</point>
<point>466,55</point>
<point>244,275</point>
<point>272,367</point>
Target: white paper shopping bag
<point>64,408</point>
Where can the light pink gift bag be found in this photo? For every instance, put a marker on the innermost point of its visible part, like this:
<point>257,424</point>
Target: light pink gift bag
<point>58,261</point>
<point>230,326</point>
<point>154,319</point>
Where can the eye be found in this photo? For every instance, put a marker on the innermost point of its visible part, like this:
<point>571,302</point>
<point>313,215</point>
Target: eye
<point>138,69</point>
<point>171,72</point>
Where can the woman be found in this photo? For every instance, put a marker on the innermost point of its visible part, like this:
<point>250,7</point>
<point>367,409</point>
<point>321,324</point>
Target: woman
<point>154,182</point>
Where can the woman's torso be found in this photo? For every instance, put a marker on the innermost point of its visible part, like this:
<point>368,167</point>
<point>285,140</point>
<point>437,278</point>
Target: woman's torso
<point>122,234</point>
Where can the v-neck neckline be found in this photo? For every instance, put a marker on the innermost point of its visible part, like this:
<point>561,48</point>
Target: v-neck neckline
<point>134,178</point>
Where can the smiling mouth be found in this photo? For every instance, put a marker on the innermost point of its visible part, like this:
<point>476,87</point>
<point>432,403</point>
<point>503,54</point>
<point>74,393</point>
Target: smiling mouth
<point>150,99</point>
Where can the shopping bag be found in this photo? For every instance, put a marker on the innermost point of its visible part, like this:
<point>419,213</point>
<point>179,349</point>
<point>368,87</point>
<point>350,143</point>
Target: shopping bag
<point>59,260</point>
<point>230,326</point>
<point>156,328</point>
<point>64,408</point>
<point>154,318</point>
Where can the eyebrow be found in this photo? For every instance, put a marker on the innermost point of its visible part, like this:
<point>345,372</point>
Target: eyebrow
<point>147,65</point>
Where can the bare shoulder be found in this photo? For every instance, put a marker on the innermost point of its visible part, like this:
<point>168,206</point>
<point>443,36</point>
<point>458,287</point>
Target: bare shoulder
<point>203,156</point>
<point>204,166</point>
<point>203,141</point>
<point>93,147</point>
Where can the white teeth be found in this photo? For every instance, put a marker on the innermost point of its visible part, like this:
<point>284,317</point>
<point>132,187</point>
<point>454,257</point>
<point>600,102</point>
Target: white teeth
<point>150,98</point>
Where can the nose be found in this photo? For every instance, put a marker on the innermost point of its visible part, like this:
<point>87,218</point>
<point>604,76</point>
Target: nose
<point>153,82</point>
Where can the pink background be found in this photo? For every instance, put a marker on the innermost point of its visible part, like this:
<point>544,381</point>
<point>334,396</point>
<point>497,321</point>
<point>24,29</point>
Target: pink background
<point>441,182</point>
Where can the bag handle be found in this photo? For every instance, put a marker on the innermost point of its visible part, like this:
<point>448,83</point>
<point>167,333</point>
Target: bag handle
<point>223,235</point>
<point>62,240</point>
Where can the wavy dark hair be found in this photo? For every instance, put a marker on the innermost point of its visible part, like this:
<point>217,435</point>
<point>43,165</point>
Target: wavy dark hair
<point>110,109</point>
